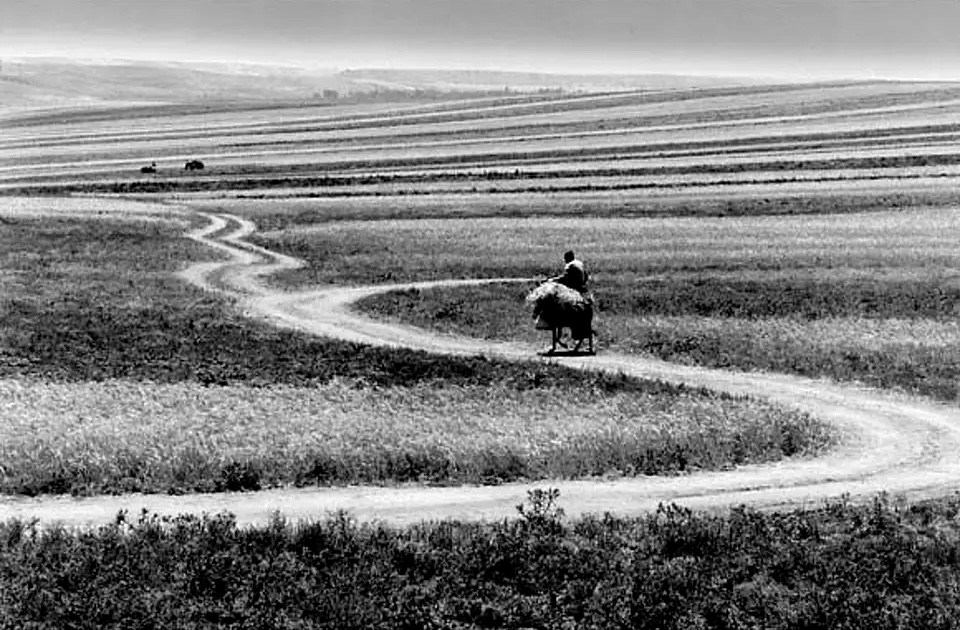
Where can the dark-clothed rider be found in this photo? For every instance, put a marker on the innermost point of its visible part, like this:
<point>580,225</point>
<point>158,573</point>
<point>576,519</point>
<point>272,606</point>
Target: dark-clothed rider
<point>574,274</point>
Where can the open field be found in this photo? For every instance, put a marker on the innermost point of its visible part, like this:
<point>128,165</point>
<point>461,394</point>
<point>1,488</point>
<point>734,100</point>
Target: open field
<point>870,297</point>
<point>117,377</point>
<point>777,279</point>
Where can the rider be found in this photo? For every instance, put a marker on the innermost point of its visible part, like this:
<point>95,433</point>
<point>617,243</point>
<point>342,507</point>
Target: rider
<point>574,274</point>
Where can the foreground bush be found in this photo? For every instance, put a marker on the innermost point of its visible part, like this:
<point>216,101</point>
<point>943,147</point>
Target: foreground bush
<point>842,566</point>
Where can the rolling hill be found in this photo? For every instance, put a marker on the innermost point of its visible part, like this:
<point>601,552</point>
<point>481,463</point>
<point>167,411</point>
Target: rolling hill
<point>39,83</point>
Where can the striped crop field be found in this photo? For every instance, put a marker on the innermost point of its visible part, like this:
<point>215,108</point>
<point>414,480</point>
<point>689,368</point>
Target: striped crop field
<point>635,142</point>
<point>803,228</point>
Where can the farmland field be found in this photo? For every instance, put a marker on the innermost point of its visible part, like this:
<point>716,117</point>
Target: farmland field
<point>805,229</point>
<point>871,297</point>
<point>778,295</point>
<point>749,131</point>
<point>118,377</point>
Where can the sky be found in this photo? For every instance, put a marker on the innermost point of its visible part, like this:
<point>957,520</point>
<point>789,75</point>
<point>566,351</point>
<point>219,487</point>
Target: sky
<point>770,38</point>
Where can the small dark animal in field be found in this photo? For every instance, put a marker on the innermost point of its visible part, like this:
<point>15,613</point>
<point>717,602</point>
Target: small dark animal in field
<point>193,165</point>
<point>149,169</point>
<point>556,307</point>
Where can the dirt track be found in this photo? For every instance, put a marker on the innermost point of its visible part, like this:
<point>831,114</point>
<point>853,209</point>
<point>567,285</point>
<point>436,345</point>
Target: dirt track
<point>894,443</point>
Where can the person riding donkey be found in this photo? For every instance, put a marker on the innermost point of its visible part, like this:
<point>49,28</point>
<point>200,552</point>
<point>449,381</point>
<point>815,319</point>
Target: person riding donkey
<point>578,312</point>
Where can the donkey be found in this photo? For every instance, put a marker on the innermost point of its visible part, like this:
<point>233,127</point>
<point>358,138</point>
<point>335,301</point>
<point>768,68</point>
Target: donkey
<point>556,307</point>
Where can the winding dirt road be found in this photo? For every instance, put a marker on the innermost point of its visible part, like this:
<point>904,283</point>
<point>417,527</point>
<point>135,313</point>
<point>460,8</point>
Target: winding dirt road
<point>893,442</point>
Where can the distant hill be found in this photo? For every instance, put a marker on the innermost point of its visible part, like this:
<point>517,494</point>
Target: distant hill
<point>460,80</point>
<point>55,83</point>
<point>52,82</point>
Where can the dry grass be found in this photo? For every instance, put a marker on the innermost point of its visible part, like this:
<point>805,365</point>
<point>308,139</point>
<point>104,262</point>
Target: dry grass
<point>123,436</point>
<point>412,249</point>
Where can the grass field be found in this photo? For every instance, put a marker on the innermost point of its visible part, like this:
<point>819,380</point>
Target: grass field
<point>92,438</point>
<point>874,566</point>
<point>118,377</point>
<point>862,296</point>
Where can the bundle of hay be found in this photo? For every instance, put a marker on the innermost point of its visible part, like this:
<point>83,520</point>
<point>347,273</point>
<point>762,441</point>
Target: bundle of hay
<point>558,306</point>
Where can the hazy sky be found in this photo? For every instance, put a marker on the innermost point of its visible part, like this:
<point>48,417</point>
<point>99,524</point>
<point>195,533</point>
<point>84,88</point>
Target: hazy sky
<point>897,38</point>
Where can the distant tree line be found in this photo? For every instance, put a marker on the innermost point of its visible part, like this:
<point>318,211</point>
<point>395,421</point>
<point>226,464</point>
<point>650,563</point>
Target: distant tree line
<point>394,95</point>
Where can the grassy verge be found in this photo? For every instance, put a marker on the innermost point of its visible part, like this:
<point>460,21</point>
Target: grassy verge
<point>123,437</point>
<point>875,566</point>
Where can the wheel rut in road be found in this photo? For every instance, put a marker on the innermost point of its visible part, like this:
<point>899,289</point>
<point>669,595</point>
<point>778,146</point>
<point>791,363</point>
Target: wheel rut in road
<point>893,442</point>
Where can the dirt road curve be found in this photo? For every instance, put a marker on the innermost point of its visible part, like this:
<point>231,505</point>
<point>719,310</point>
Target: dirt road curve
<point>894,443</point>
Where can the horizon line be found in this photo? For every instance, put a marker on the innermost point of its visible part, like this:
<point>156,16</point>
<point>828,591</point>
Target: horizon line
<point>585,73</point>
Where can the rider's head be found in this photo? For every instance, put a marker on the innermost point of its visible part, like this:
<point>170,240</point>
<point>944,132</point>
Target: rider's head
<point>569,256</point>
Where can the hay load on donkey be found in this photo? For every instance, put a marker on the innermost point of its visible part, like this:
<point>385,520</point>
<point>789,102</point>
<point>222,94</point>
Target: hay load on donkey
<point>556,307</point>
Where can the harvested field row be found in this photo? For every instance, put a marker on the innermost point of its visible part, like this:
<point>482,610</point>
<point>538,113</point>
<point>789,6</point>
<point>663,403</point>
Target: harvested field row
<point>85,125</point>
<point>922,151</point>
<point>479,110</point>
<point>619,120</point>
<point>935,146</point>
<point>847,133</point>
<point>605,132</point>
<point>783,100</point>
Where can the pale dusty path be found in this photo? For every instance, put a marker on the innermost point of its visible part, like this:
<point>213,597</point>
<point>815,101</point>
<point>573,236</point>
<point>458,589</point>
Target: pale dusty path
<point>894,443</point>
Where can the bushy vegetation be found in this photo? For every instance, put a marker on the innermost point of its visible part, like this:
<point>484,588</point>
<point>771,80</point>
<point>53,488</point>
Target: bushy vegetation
<point>841,566</point>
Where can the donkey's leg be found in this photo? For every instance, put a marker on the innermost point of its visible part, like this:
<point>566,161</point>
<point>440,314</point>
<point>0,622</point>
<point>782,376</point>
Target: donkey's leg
<point>560,341</point>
